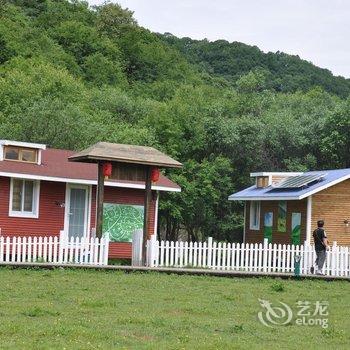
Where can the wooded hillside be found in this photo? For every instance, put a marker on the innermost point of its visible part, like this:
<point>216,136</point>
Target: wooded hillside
<point>71,76</point>
<point>283,72</point>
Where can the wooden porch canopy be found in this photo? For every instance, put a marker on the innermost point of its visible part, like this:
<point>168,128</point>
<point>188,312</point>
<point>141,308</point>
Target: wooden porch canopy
<point>128,162</point>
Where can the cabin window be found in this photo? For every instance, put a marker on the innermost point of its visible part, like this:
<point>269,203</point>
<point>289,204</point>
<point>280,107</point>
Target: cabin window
<point>24,198</point>
<point>254,215</point>
<point>21,154</point>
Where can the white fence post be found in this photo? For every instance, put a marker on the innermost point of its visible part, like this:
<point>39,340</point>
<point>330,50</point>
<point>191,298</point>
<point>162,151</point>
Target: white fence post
<point>152,251</point>
<point>333,262</point>
<point>105,250</point>
<point>62,245</point>
<point>24,246</point>
<point>265,252</point>
<point>136,256</point>
<point>336,259</point>
<point>19,244</point>
<point>2,252</point>
<point>210,251</point>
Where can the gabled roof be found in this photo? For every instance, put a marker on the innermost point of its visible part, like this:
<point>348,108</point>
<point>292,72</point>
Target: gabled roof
<point>331,178</point>
<point>56,167</point>
<point>125,154</point>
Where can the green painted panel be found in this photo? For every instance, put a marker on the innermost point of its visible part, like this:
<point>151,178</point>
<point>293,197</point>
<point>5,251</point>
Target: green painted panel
<point>268,224</point>
<point>120,221</point>
<point>296,228</point>
<point>282,217</point>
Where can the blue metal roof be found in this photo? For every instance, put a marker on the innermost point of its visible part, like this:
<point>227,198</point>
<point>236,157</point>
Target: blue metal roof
<point>331,178</point>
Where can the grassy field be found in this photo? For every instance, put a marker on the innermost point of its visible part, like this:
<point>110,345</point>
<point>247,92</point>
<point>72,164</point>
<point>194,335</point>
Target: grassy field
<point>85,309</point>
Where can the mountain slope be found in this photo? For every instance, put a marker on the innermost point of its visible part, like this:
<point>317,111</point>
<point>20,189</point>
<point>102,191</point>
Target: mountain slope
<point>71,76</point>
<point>285,73</point>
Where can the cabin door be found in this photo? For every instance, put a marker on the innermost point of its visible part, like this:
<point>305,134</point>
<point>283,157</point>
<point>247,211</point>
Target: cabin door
<point>77,210</point>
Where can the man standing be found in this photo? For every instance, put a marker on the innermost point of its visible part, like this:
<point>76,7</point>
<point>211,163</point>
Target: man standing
<point>321,245</point>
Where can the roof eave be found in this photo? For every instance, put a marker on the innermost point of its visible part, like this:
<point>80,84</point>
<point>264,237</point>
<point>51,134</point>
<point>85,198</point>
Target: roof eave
<point>155,187</point>
<point>263,198</point>
<point>23,144</point>
<point>93,159</point>
<point>321,188</point>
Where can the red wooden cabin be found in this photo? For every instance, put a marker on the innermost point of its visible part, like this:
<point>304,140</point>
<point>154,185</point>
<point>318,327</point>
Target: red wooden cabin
<point>42,193</point>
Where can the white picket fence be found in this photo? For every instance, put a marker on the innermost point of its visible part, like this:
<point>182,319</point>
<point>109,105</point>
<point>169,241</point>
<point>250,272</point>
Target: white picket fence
<point>258,257</point>
<point>54,250</point>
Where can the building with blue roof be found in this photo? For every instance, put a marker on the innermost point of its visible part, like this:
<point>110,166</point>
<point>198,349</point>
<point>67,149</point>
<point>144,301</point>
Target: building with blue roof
<point>284,207</point>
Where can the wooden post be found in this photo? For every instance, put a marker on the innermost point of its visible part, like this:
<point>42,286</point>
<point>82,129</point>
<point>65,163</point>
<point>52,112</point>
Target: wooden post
<point>146,213</point>
<point>309,219</point>
<point>99,200</point>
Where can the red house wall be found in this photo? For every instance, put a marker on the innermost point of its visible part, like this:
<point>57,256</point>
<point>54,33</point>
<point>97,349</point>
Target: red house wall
<point>51,215</point>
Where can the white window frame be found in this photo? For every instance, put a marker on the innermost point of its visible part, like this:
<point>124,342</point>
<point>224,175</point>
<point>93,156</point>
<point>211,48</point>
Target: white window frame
<point>251,215</point>
<point>36,199</point>
<point>20,150</point>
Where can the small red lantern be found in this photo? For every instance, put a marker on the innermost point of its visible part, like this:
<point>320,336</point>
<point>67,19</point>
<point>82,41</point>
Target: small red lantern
<point>107,169</point>
<point>155,173</point>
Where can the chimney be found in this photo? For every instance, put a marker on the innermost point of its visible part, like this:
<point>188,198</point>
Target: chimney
<point>266,179</point>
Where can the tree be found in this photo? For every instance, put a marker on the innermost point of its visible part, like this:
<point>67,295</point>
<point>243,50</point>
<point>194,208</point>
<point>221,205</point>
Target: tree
<point>113,20</point>
<point>335,138</point>
<point>254,81</point>
<point>203,206</point>
<point>99,70</point>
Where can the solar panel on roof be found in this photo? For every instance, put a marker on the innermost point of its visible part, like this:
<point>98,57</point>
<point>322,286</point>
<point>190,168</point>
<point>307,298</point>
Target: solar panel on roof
<point>299,181</point>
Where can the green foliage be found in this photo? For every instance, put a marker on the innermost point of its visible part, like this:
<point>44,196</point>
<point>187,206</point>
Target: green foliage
<point>254,81</point>
<point>336,137</point>
<point>203,206</point>
<point>71,75</point>
<point>277,286</point>
<point>31,8</point>
<point>99,70</point>
<point>113,20</point>
<point>287,73</point>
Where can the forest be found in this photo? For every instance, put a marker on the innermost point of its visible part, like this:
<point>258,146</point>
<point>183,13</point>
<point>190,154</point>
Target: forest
<point>71,75</point>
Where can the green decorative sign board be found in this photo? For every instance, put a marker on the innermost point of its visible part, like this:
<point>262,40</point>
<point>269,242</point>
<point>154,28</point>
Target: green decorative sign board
<point>296,228</point>
<point>268,224</point>
<point>120,221</point>
<point>282,216</point>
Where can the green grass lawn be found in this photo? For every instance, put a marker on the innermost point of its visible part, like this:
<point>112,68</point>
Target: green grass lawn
<point>86,309</point>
